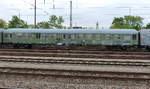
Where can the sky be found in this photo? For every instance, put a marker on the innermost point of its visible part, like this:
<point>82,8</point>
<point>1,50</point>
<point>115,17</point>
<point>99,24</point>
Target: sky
<point>85,12</point>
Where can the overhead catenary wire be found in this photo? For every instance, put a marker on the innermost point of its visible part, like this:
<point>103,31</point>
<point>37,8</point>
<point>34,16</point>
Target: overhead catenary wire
<point>46,12</point>
<point>126,10</point>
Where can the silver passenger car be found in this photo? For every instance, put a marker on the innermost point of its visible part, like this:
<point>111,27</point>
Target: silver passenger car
<point>145,37</point>
<point>108,37</point>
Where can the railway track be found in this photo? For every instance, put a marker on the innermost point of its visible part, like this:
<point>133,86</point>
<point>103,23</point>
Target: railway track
<point>75,51</point>
<point>72,63</point>
<point>87,61</point>
<point>70,73</point>
<point>77,54</point>
<point>74,71</point>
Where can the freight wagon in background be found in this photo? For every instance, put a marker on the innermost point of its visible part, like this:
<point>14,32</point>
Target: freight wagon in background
<point>84,37</point>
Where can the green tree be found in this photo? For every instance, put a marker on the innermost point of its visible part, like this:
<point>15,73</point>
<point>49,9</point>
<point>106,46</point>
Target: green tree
<point>53,21</point>
<point>17,23</point>
<point>56,22</point>
<point>148,26</point>
<point>118,23</point>
<point>31,26</point>
<point>60,20</point>
<point>127,22</point>
<point>3,24</point>
<point>44,25</point>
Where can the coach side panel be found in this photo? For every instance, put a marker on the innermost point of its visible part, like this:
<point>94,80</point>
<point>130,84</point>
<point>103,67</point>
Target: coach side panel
<point>145,37</point>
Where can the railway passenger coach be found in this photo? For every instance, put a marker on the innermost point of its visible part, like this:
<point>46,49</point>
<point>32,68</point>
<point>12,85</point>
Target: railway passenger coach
<point>110,37</point>
<point>1,36</point>
<point>145,38</point>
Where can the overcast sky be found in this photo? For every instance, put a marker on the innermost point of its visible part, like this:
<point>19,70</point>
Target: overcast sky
<point>85,12</point>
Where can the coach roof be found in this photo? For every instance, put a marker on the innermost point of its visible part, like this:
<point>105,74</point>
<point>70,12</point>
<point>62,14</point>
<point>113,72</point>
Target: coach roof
<point>145,31</point>
<point>73,31</point>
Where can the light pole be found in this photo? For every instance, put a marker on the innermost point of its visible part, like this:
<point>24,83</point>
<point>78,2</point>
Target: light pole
<point>53,4</point>
<point>34,13</point>
<point>129,11</point>
<point>70,14</point>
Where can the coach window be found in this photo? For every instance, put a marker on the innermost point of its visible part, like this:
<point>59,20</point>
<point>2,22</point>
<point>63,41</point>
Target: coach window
<point>69,36</point>
<point>84,35</point>
<point>10,35</point>
<point>89,36</point>
<point>93,35</point>
<point>51,36</point>
<point>72,36</point>
<point>77,36</point>
<point>6,35</point>
<point>119,36</point>
<point>107,37</point>
<point>38,36</point>
<point>134,37</point>
<point>64,36</point>
<point>46,35</point>
<point>19,35</point>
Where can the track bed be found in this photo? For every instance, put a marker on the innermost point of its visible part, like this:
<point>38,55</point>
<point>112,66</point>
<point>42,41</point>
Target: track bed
<point>66,70</point>
<point>87,61</point>
<point>76,54</point>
